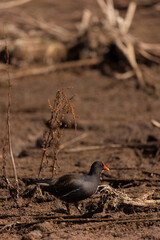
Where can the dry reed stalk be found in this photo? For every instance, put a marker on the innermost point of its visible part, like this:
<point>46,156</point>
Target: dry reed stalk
<point>9,128</point>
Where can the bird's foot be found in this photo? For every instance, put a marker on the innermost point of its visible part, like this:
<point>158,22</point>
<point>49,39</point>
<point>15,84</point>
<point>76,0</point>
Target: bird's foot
<point>79,209</point>
<point>68,209</point>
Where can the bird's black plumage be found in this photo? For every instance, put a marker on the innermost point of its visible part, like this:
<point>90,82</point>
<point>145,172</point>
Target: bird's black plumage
<point>73,188</point>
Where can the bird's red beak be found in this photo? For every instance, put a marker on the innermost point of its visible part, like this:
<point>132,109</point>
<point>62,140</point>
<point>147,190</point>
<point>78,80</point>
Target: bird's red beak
<point>106,168</point>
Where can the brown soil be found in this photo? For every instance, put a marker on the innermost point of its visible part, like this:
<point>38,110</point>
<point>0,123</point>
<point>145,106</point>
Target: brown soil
<point>110,111</point>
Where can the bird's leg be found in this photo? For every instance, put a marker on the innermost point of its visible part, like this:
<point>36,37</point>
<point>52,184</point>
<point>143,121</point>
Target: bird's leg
<point>68,209</point>
<point>78,207</point>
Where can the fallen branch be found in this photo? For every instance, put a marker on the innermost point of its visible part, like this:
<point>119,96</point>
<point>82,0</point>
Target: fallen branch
<point>55,67</point>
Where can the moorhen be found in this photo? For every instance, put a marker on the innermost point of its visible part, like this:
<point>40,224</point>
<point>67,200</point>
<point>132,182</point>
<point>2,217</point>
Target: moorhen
<point>72,188</point>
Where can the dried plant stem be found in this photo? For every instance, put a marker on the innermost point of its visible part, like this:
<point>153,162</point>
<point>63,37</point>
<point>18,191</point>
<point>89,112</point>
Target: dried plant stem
<point>44,153</point>
<point>61,108</point>
<point>8,123</point>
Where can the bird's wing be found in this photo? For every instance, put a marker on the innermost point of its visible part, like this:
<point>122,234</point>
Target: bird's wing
<point>69,193</point>
<point>67,184</point>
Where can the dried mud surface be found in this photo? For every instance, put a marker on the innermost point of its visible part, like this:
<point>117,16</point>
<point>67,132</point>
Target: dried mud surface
<point>109,111</point>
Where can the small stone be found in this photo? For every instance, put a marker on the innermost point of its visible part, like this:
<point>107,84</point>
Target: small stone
<point>44,227</point>
<point>33,235</point>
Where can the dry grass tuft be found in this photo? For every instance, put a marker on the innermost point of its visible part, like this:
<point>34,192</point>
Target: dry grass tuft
<point>115,198</point>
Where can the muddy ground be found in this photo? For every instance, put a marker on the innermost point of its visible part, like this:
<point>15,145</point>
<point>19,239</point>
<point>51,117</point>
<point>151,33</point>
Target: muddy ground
<point>110,111</point>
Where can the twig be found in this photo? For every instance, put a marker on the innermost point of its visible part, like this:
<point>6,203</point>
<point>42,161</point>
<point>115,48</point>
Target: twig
<point>76,139</point>
<point>12,4</point>
<point>9,226</point>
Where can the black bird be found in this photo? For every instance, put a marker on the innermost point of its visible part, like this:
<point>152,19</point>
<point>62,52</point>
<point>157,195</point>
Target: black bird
<point>72,188</point>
